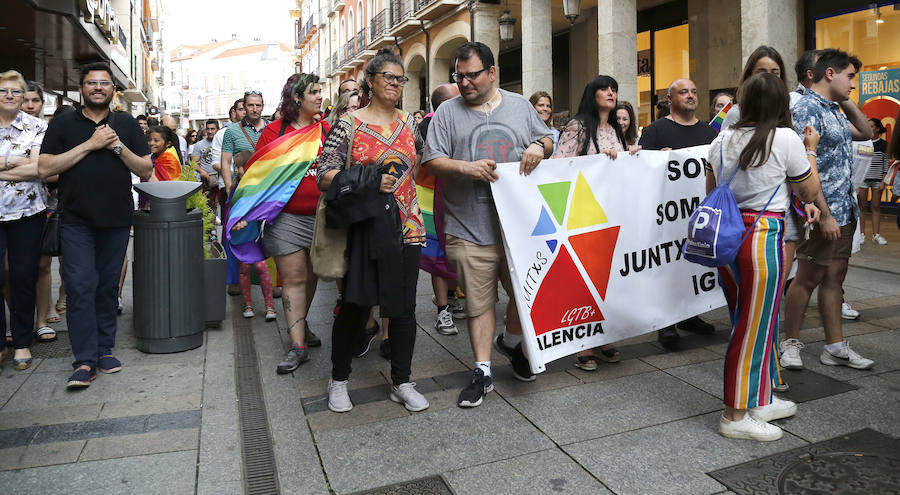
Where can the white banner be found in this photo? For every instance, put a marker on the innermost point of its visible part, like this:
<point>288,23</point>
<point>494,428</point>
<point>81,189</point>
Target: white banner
<point>594,248</point>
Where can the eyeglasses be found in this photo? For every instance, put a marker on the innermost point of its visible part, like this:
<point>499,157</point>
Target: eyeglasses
<point>102,84</point>
<point>14,92</point>
<point>252,92</point>
<point>391,78</point>
<point>471,76</point>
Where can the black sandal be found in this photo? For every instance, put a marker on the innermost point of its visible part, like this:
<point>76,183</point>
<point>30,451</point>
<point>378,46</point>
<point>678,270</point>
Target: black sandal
<point>611,355</point>
<point>587,363</point>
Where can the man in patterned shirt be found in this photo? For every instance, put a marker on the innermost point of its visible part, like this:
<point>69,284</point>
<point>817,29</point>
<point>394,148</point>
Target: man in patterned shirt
<point>823,257</point>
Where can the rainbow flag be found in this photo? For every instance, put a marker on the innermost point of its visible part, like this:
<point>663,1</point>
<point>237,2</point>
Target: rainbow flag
<point>272,175</point>
<point>716,123</point>
<point>430,193</point>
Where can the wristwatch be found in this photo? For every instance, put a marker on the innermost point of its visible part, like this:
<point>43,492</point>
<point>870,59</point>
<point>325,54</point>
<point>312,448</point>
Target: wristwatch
<point>117,149</point>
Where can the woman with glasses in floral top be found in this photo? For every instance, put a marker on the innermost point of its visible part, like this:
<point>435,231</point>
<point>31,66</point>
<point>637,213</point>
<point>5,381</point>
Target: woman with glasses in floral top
<point>23,201</point>
<point>384,147</point>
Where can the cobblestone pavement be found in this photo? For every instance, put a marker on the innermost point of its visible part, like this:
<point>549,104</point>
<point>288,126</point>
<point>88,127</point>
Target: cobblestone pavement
<point>170,423</point>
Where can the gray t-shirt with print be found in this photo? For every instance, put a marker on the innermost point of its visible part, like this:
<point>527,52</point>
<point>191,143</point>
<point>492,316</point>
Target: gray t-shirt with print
<point>461,133</point>
<point>203,151</point>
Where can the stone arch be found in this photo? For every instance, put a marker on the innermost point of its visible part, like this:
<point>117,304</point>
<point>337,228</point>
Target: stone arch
<point>415,93</point>
<point>446,40</point>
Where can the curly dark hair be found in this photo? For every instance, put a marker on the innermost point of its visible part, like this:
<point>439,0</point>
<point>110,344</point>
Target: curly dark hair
<point>384,56</point>
<point>297,84</point>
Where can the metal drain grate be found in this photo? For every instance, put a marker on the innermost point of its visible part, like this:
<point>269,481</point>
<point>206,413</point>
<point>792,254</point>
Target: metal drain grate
<point>434,485</point>
<point>260,473</point>
<point>59,348</point>
<point>865,461</point>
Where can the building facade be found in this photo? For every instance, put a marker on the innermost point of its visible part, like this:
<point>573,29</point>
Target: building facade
<point>49,40</point>
<point>203,81</point>
<point>644,44</point>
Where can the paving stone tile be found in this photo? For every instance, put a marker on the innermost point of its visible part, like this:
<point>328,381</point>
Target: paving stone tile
<point>610,371</point>
<point>892,323</point>
<point>128,384</point>
<point>355,458</point>
<point>360,414</point>
<point>158,474</point>
<point>680,358</point>
<point>546,472</point>
<point>708,376</point>
<point>719,349</point>
<point>46,454</point>
<point>49,415</point>
<point>427,370</point>
<point>508,385</point>
<point>150,406</point>
<point>653,460</point>
<point>141,444</point>
<point>594,410</point>
<point>9,384</point>
<point>223,488</point>
<point>872,405</point>
<point>859,327</point>
<point>220,455</point>
<point>445,399</point>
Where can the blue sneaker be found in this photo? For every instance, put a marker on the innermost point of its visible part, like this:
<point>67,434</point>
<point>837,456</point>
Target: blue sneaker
<point>82,378</point>
<point>109,364</point>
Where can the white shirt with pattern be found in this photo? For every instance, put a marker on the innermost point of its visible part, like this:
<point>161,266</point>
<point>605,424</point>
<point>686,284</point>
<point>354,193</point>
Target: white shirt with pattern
<point>20,199</point>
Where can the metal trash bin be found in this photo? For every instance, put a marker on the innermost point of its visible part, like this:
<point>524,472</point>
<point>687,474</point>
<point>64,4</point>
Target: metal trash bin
<point>168,269</point>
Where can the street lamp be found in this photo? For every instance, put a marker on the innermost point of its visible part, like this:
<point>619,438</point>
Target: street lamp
<point>507,26</point>
<point>571,9</point>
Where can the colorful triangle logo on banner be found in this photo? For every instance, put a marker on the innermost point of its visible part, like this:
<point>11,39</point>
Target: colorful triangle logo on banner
<point>544,224</point>
<point>556,194</point>
<point>562,289</point>
<point>552,245</point>
<point>586,211</point>
<point>595,251</point>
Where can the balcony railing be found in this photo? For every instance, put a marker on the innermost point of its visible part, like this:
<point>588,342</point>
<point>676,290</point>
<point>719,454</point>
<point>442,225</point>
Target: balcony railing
<point>379,24</point>
<point>335,62</point>
<point>400,11</point>
<point>361,41</point>
<point>349,50</point>
<point>421,4</point>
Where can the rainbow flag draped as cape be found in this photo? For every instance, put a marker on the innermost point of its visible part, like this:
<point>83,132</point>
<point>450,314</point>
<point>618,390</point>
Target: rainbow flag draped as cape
<point>272,175</point>
<point>430,192</point>
<point>716,123</point>
<point>166,165</point>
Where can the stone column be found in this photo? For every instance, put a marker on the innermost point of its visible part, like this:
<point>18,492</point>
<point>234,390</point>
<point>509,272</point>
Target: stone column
<point>617,44</point>
<point>487,31</point>
<point>773,23</point>
<point>537,47</point>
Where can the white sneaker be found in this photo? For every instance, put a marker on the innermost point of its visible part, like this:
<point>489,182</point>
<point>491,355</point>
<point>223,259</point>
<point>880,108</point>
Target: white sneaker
<point>877,239</point>
<point>845,357</point>
<point>443,323</point>
<point>749,428</point>
<point>248,312</point>
<point>848,313</point>
<point>777,409</point>
<point>457,308</point>
<point>407,395</point>
<point>790,354</point>
<point>862,240</point>
<point>338,398</point>
<point>271,315</point>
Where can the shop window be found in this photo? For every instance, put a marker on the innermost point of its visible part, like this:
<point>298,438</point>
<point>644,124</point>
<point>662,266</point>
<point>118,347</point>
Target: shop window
<point>663,57</point>
<point>873,35</point>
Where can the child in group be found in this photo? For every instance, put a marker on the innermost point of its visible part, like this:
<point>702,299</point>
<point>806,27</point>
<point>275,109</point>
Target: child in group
<point>164,153</point>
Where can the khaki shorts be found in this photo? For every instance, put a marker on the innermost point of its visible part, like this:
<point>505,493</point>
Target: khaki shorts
<point>821,251</point>
<point>478,268</point>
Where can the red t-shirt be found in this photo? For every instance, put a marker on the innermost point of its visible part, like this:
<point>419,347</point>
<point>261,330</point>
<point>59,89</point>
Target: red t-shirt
<point>306,197</point>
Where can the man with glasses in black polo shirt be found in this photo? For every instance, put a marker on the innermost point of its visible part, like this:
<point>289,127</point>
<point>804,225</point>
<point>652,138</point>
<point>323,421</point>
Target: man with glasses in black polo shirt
<point>94,152</point>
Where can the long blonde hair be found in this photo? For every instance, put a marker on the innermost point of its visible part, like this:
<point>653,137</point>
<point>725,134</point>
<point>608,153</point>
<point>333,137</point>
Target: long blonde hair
<point>340,108</point>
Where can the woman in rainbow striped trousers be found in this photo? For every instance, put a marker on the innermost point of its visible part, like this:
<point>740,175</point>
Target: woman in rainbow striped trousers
<point>769,153</point>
